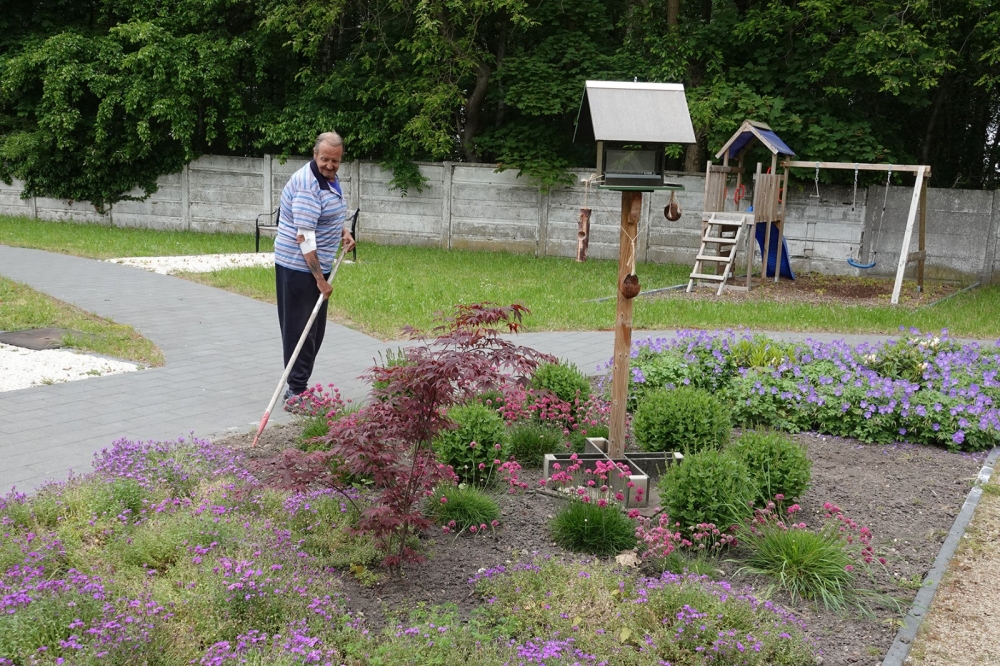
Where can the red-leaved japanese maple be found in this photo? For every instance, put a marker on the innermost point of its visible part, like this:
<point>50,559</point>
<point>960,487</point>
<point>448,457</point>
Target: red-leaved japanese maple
<point>389,440</point>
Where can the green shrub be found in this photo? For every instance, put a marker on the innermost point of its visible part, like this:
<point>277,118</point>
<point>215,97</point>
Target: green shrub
<point>777,465</point>
<point>466,505</point>
<point>584,527</point>
<point>708,487</point>
<point>564,379</point>
<point>810,565</point>
<point>479,438</point>
<point>684,419</point>
<point>759,352</point>
<point>530,441</point>
<point>578,439</point>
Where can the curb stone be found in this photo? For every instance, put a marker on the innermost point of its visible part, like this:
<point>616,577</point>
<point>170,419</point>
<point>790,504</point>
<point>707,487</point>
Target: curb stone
<point>900,649</point>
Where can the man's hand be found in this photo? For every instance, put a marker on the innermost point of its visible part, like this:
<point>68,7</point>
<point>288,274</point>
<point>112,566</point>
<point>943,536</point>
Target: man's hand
<point>347,240</point>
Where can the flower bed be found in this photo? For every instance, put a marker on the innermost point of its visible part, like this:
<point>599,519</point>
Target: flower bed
<point>921,389</point>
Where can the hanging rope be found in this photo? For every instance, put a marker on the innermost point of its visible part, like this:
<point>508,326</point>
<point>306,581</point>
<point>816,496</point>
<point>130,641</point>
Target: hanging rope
<point>630,284</point>
<point>672,211</point>
<point>878,229</point>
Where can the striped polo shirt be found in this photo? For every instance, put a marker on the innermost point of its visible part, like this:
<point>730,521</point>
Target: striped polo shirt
<point>309,201</point>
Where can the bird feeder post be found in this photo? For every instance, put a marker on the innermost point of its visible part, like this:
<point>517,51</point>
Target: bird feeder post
<point>631,209</point>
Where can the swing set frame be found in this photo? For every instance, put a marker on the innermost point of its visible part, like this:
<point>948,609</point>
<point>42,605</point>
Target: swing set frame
<point>917,213</point>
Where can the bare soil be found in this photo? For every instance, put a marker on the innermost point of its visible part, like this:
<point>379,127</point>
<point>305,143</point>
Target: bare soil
<point>908,495</point>
<point>816,289</point>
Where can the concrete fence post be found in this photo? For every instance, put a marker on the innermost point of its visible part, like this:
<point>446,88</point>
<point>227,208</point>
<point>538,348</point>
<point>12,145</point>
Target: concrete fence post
<point>542,236</point>
<point>993,236</point>
<point>356,184</point>
<point>447,170</point>
<point>33,208</point>
<point>186,198</point>
<point>268,185</point>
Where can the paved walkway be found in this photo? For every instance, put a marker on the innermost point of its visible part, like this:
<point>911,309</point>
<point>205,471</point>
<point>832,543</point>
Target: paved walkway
<point>222,364</point>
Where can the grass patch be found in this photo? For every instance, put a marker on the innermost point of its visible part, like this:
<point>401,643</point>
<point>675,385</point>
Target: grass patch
<point>393,286</point>
<point>24,308</point>
<point>102,242</point>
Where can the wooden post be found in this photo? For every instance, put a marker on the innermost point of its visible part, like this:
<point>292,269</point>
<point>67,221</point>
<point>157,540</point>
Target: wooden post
<point>922,237</point>
<point>904,251</point>
<point>631,208</point>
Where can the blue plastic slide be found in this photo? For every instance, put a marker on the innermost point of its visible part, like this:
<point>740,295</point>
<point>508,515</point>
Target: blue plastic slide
<point>786,269</point>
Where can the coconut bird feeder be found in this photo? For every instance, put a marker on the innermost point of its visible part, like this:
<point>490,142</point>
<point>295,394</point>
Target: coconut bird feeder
<point>631,124</point>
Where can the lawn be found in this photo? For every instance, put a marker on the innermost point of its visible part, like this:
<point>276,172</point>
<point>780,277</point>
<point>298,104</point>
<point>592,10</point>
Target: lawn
<point>101,242</point>
<point>24,308</point>
<point>395,286</point>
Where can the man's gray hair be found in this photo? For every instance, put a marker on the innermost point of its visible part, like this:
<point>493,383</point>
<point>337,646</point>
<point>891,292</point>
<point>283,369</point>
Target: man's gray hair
<point>331,138</point>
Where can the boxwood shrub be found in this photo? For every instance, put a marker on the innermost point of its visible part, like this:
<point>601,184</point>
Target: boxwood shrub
<point>708,487</point>
<point>683,419</point>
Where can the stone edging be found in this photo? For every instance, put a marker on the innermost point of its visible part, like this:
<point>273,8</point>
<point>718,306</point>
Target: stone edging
<point>900,648</point>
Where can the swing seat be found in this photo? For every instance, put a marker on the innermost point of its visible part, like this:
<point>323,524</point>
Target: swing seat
<point>858,264</point>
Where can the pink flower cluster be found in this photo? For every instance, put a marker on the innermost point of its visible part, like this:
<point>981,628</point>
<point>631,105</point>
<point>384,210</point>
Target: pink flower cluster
<point>593,485</point>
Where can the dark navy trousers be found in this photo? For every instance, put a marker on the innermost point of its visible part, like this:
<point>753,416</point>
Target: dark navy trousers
<point>297,295</point>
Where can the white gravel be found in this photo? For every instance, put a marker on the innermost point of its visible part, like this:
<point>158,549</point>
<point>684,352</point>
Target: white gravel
<point>201,263</point>
<point>23,368</point>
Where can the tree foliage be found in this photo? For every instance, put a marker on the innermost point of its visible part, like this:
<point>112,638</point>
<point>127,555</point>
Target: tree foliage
<point>98,98</point>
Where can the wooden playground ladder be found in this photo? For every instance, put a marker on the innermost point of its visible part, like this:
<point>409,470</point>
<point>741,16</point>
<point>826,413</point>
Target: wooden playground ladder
<point>716,230</point>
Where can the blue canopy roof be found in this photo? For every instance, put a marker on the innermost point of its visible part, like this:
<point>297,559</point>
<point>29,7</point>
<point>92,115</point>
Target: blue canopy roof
<point>751,130</point>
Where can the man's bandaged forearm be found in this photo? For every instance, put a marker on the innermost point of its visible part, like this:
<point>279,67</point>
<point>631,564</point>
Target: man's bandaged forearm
<point>308,242</point>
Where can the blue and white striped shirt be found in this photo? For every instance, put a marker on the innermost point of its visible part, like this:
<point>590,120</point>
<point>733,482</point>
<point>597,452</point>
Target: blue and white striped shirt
<point>309,201</point>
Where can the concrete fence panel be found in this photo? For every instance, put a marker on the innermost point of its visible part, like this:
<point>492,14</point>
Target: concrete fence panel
<point>473,206</point>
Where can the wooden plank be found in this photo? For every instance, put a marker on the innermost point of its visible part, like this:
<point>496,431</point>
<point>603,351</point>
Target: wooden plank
<point>726,169</point>
<point>910,168</point>
<point>907,236</point>
<point>922,237</point>
<point>705,276</point>
<point>631,209</point>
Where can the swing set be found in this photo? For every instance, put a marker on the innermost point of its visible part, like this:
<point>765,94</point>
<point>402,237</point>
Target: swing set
<point>917,215</point>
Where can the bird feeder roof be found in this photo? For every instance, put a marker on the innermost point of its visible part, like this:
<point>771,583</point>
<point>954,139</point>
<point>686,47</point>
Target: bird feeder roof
<point>634,113</point>
<point>750,130</point>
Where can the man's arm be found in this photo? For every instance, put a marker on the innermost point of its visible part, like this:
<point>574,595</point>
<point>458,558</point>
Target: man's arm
<point>308,246</point>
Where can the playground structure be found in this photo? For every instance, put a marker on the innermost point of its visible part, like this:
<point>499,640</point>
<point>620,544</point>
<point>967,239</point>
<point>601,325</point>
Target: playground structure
<point>723,231</point>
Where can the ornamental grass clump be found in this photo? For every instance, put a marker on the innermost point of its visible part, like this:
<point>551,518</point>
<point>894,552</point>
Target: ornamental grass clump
<point>819,566</point>
<point>530,441</point>
<point>778,465</point>
<point>585,527</point>
<point>709,487</point>
<point>683,419</point>
<point>463,507</point>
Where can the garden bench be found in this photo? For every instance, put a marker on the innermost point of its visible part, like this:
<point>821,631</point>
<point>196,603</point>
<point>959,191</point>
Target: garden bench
<point>269,225</point>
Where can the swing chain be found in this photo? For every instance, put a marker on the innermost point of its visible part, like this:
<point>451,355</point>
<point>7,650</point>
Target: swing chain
<point>854,199</point>
<point>816,180</point>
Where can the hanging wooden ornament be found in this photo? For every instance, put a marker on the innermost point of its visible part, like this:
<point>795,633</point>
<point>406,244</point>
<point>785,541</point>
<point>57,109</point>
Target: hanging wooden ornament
<point>630,286</point>
<point>672,211</point>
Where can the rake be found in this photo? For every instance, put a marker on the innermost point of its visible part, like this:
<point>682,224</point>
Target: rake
<point>298,348</point>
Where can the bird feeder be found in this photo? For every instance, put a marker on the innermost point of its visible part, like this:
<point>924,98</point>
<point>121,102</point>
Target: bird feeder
<point>631,123</point>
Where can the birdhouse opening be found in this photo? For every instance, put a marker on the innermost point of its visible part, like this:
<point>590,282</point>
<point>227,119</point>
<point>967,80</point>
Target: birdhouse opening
<point>632,166</point>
